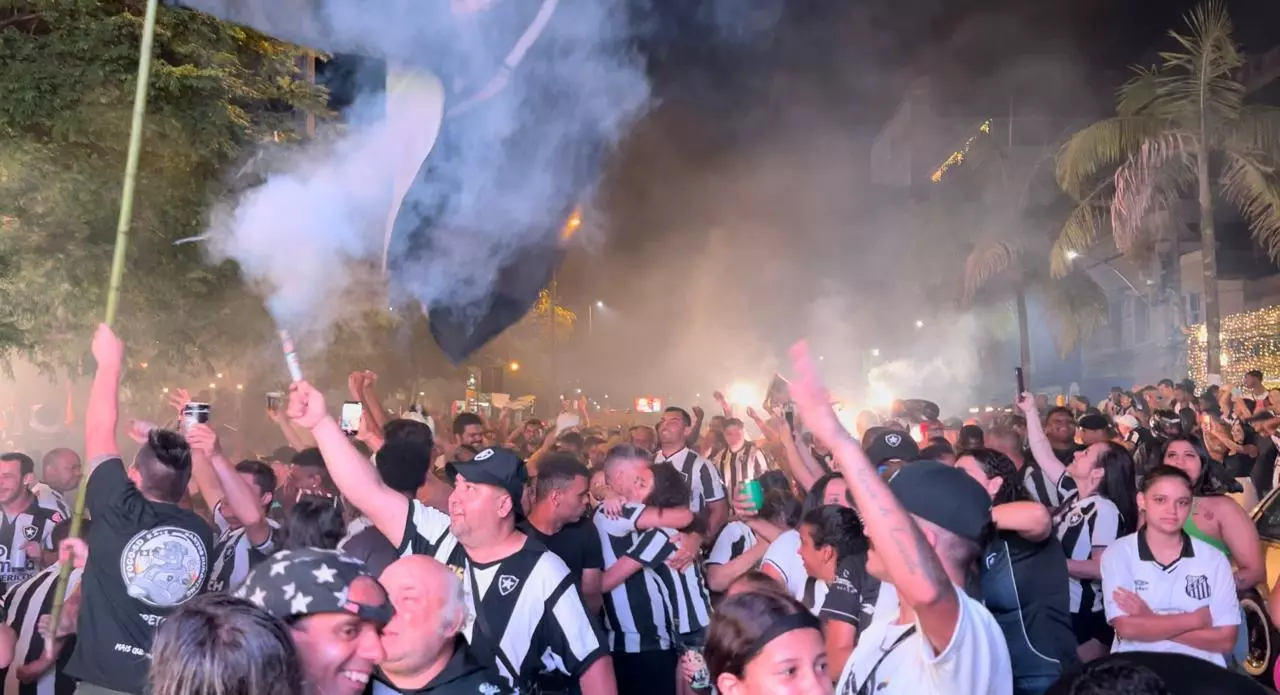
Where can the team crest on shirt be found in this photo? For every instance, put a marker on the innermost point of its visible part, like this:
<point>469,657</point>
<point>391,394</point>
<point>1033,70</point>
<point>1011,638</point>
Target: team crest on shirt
<point>1198,587</point>
<point>1074,518</point>
<point>507,584</point>
<point>483,455</point>
<point>29,532</point>
<point>164,566</point>
<point>489,689</point>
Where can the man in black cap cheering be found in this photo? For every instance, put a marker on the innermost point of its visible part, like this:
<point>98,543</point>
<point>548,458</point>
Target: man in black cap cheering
<point>527,615</point>
<point>925,529</point>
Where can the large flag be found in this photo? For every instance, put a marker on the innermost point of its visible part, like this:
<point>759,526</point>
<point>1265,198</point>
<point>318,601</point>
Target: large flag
<point>409,35</point>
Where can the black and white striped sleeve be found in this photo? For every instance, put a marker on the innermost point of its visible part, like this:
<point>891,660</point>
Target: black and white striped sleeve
<point>622,525</point>
<point>710,484</point>
<point>424,529</point>
<point>759,464</point>
<point>651,549</point>
<point>734,540</point>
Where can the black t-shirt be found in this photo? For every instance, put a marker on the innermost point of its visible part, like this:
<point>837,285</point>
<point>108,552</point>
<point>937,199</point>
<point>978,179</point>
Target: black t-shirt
<point>463,675</point>
<point>145,559</point>
<point>1066,456</point>
<point>369,545</point>
<point>578,544</point>
<point>852,597</point>
<point>1025,586</point>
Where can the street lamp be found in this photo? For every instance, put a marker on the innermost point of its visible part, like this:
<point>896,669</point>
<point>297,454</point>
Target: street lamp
<point>514,366</point>
<point>591,317</point>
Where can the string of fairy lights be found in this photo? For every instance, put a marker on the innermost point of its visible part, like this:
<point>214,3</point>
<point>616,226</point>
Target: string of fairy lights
<point>1250,340</point>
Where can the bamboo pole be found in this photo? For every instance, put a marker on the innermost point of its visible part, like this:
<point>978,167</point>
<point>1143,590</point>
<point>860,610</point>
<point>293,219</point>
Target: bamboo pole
<point>117,259</point>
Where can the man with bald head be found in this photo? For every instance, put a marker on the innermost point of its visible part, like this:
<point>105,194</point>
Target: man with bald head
<point>424,651</point>
<point>60,472</point>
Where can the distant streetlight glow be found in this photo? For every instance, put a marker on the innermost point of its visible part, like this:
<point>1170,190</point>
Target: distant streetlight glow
<point>219,375</point>
<point>213,386</point>
<point>875,352</point>
<point>919,324</point>
<point>239,387</point>
<point>514,366</point>
<point>599,304</point>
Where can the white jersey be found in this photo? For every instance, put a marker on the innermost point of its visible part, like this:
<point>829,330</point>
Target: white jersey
<point>892,659</point>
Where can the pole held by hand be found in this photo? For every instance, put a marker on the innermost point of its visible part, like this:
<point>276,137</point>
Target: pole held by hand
<point>117,259</point>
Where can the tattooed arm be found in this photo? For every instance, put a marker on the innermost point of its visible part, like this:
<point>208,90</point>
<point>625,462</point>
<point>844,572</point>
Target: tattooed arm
<point>912,565</point>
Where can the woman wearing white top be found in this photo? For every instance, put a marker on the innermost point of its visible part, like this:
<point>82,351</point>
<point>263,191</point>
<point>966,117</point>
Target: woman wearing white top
<point>782,559</point>
<point>1165,590</point>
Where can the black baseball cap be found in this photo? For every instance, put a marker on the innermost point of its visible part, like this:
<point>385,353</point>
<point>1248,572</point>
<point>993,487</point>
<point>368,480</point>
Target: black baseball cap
<point>494,466</point>
<point>946,496</point>
<point>1093,421</point>
<point>887,445</point>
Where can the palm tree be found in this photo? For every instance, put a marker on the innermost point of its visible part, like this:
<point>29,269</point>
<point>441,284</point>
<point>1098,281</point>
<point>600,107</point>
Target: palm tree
<point>1179,127</point>
<point>998,207</point>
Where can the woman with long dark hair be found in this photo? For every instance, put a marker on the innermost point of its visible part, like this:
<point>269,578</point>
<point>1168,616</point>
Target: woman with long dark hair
<point>782,560</point>
<point>1103,509</point>
<point>1216,518</point>
<point>1023,575</point>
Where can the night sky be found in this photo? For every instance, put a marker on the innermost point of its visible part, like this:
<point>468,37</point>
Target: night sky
<point>741,207</point>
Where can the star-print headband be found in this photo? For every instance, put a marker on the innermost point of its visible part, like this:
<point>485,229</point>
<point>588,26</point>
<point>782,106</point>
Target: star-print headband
<point>293,584</point>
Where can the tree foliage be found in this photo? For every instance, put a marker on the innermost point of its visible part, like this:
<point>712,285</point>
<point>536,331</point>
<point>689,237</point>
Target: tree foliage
<point>217,92</point>
<point>997,208</point>
<point>1181,130</point>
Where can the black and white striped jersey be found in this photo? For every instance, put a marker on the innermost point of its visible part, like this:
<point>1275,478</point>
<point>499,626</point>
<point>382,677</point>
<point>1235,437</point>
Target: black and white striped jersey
<point>1038,486</point>
<point>426,532</point>
<point>24,604</point>
<point>704,482</point>
<point>690,600</point>
<point>33,525</point>
<point>735,468</point>
<point>51,499</point>
<point>735,539</point>
<point>1082,525</point>
<point>234,555</point>
<point>639,613</point>
<point>528,617</point>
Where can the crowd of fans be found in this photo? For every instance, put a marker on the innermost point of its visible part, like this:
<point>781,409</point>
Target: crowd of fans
<point>1035,550</point>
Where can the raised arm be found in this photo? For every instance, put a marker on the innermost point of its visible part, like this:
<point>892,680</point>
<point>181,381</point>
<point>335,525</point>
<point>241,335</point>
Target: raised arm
<point>103,414</point>
<point>230,487</point>
<point>354,475</point>
<point>1041,449</point>
<point>913,567</point>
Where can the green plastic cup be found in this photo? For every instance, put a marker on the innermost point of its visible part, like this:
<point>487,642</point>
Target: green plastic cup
<point>751,490</point>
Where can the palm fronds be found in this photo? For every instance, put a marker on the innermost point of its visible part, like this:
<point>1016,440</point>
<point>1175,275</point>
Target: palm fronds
<point>1254,188</point>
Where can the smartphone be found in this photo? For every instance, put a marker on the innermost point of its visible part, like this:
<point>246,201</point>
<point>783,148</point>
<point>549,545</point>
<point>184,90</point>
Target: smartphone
<point>349,421</point>
<point>789,412</point>
<point>275,400</point>
<point>1022,384</point>
<point>193,413</point>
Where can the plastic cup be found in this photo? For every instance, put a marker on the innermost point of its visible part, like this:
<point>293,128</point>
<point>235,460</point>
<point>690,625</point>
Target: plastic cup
<point>751,490</point>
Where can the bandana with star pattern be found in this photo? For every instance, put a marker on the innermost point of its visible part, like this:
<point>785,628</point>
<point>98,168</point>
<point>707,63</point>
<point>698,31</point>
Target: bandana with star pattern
<point>293,584</point>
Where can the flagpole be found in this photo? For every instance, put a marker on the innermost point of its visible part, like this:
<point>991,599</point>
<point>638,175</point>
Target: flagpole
<point>117,262</point>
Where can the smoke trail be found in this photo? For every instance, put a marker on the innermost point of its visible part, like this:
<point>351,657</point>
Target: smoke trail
<point>508,171</point>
